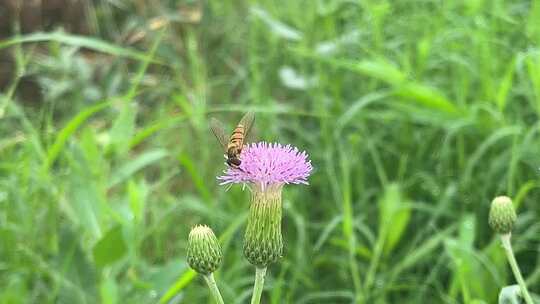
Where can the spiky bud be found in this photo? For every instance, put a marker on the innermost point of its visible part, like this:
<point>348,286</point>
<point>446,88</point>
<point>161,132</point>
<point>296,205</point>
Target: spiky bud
<point>204,252</point>
<point>502,215</point>
<point>263,243</point>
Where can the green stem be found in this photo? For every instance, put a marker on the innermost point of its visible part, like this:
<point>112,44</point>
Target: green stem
<point>374,263</point>
<point>259,284</point>
<point>505,239</point>
<point>214,290</point>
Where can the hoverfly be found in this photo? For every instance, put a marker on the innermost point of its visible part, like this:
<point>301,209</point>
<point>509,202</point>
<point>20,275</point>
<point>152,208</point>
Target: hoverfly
<point>233,146</point>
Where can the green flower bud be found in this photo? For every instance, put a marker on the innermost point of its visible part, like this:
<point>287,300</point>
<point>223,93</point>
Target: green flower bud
<point>204,252</point>
<point>502,215</point>
<point>263,243</point>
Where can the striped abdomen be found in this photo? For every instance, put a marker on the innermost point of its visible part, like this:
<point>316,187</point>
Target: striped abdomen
<point>236,142</point>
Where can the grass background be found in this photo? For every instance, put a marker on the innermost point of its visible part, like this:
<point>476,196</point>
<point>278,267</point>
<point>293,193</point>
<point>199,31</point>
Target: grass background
<point>415,113</point>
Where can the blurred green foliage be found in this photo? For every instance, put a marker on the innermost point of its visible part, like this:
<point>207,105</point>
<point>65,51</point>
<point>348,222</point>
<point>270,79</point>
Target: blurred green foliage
<point>415,113</point>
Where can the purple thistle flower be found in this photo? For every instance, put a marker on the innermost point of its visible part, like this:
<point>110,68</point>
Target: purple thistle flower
<point>267,164</point>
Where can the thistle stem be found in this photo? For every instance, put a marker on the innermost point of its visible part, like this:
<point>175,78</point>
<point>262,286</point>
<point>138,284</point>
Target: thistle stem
<point>258,286</point>
<point>214,290</point>
<point>505,240</point>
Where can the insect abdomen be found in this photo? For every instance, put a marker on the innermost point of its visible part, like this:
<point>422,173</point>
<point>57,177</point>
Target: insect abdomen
<point>237,138</point>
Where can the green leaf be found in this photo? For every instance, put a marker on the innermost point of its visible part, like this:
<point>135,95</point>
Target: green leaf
<point>150,129</point>
<point>128,169</point>
<point>394,215</point>
<point>460,251</point>
<point>385,71</point>
<point>505,86</point>
<point>14,290</point>
<point>109,291</point>
<point>123,129</point>
<point>189,164</point>
<point>137,197</point>
<point>85,196</point>
<point>472,271</point>
<point>69,129</point>
<point>180,284</point>
<point>510,295</point>
<point>78,41</point>
<point>276,26</point>
<point>110,248</point>
<point>533,21</point>
<point>427,96</point>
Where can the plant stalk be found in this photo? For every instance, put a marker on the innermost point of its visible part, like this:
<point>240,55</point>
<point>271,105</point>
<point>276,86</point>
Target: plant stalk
<point>505,240</point>
<point>214,290</point>
<point>258,286</point>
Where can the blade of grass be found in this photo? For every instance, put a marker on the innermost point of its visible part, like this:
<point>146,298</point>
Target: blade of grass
<point>132,166</point>
<point>476,157</point>
<point>180,284</point>
<point>153,128</point>
<point>69,129</point>
<point>416,256</point>
<point>146,60</point>
<point>199,182</point>
<point>386,72</point>
<point>347,225</point>
<point>78,41</point>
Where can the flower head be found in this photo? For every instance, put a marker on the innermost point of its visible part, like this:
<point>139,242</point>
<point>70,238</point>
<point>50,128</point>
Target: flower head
<point>502,215</point>
<point>204,252</point>
<point>267,164</point>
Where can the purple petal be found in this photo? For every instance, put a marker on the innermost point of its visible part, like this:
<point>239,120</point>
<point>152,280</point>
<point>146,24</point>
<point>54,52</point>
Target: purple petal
<point>269,163</point>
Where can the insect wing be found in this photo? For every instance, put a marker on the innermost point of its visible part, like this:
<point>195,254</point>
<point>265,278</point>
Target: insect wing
<point>251,136</point>
<point>217,128</point>
<point>247,122</point>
